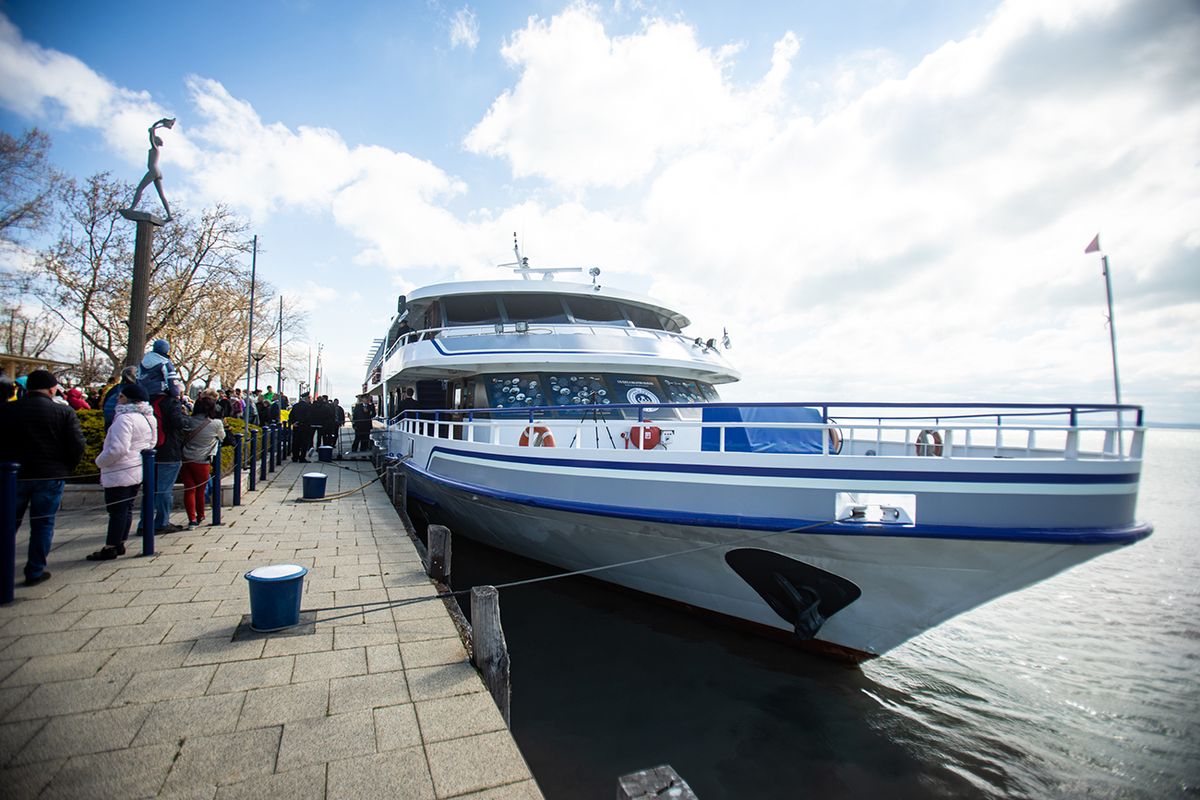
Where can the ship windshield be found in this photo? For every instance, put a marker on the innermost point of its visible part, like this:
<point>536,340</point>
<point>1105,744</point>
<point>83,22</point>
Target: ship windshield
<point>471,310</point>
<point>534,308</point>
<point>596,310</point>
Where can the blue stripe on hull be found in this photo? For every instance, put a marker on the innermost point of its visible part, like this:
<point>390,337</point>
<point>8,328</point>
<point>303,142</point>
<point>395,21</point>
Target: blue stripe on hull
<point>814,474</point>
<point>1067,536</point>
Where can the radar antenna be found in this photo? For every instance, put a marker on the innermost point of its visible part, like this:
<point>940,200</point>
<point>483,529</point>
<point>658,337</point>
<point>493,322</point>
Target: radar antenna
<point>522,268</point>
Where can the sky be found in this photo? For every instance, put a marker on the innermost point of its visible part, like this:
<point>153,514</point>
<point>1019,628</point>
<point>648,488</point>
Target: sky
<point>881,201</point>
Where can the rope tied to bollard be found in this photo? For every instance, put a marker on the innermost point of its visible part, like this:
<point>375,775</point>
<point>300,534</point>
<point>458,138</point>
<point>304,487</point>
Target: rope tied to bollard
<point>383,605</point>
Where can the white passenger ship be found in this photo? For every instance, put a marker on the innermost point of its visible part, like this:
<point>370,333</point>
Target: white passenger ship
<point>579,426</point>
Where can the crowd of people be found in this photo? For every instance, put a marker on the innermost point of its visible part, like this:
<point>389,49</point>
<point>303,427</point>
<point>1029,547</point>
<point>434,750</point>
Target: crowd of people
<point>144,408</point>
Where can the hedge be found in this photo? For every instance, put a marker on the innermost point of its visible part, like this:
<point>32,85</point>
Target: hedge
<point>92,423</point>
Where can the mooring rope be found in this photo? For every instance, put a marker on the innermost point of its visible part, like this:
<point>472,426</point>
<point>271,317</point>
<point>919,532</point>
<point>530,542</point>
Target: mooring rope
<point>383,605</point>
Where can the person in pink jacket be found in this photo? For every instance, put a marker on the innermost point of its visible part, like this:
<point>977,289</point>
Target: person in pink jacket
<point>133,430</point>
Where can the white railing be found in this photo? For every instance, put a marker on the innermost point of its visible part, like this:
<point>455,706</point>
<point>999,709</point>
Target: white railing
<point>946,436</point>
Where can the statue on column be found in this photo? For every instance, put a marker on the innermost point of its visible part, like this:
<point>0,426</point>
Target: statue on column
<point>153,173</point>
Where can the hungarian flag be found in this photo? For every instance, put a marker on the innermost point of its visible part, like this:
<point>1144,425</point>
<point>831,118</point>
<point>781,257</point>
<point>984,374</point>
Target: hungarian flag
<point>1094,247</point>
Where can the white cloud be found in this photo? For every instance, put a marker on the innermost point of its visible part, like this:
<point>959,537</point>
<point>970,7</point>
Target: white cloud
<point>464,29</point>
<point>590,110</point>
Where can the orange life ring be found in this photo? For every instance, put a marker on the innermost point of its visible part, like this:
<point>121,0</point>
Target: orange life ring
<point>929,443</point>
<point>539,434</point>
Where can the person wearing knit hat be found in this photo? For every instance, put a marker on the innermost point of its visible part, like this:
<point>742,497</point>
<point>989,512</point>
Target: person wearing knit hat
<point>134,393</point>
<point>44,437</point>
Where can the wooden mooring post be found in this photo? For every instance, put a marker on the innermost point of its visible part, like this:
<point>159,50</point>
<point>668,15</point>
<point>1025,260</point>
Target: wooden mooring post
<point>651,784</point>
<point>439,552</point>
<point>490,649</point>
<point>397,486</point>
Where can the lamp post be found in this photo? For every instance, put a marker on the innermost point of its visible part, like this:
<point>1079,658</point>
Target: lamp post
<point>258,357</point>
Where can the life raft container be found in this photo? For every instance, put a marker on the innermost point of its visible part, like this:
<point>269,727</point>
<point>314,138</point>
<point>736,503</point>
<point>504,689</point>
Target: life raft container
<point>643,437</point>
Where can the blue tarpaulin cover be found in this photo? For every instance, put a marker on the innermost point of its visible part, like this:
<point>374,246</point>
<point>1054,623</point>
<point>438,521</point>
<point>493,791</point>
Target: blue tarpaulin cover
<point>762,440</point>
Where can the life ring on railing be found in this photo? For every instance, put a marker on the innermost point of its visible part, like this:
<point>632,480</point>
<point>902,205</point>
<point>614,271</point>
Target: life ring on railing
<point>929,443</point>
<point>835,441</point>
<point>537,436</point>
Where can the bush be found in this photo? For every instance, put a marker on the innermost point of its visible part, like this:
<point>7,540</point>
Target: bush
<point>238,425</point>
<point>92,422</point>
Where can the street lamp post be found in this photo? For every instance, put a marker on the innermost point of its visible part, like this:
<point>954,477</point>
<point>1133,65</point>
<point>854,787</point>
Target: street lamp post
<point>258,357</point>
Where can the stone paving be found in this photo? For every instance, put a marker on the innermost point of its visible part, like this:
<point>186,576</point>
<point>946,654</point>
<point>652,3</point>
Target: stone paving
<point>124,678</point>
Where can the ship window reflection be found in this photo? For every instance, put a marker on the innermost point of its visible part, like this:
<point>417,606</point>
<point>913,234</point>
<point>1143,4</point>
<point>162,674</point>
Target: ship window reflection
<point>596,310</point>
<point>471,310</point>
<point>534,308</point>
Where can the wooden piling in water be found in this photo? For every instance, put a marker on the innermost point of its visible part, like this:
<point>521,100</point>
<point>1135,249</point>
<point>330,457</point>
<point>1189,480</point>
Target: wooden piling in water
<point>489,648</point>
<point>650,784</point>
<point>439,552</point>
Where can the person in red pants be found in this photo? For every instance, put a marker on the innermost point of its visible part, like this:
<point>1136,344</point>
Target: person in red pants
<point>202,438</point>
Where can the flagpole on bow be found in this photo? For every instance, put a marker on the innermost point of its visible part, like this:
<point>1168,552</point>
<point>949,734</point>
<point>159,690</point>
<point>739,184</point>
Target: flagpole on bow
<point>1094,247</point>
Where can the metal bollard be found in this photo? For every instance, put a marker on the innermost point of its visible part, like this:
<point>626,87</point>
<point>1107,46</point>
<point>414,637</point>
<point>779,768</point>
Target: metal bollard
<point>274,445</point>
<point>262,472</point>
<point>148,488</point>
<point>237,469</point>
<point>8,531</point>
<point>216,488</point>
<point>281,432</point>
<point>253,456</point>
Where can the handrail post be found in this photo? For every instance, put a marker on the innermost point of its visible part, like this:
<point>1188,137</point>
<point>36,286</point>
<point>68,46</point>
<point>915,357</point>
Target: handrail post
<point>237,469</point>
<point>148,488</point>
<point>215,482</point>
<point>262,472</point>
<point>8,525</point>
<point>253,458</point>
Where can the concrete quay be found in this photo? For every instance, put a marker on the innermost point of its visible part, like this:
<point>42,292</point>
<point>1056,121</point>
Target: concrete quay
<point>137,677</point>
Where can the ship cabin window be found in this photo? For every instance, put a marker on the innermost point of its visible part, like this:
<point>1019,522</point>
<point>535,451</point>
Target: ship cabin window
<point>645,318</point>
<point>596,311</point>
<point>544,308</point>
<point>471,310</point>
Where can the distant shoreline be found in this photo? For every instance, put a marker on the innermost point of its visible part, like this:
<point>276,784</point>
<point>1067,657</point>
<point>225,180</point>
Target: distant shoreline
<point>1180,426</point>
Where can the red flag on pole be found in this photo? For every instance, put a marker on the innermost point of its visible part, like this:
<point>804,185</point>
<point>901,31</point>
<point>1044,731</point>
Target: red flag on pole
<point>1094,247</point>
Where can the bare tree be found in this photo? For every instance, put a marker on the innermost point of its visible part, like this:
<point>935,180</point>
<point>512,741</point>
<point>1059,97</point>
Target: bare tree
<point>27,189</point>
<point>23,332</point>
<point>27,184</point>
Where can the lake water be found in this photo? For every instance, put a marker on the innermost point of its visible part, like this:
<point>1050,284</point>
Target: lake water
<point>1085,685</point>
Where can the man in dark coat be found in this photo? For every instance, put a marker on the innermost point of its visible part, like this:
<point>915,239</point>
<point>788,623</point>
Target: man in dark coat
<point>44,437</point>
<point>324,420</point>
<point>360,417</point>
<point>300,418</point>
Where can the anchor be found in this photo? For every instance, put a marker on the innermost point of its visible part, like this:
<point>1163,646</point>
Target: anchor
<point>802,595</point>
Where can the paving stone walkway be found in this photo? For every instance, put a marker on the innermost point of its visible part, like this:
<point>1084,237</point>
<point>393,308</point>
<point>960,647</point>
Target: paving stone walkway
<point>124,679</point>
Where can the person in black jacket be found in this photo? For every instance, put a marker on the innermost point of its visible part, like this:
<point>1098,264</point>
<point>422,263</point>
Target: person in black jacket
<point>299,419</point>
<point>168,457</point>
<point>360,417</point>
<point>44,437</point>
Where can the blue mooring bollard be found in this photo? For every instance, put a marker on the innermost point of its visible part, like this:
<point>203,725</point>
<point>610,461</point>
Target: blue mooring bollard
<point>148,488</point>
<point>8,531</point>
<point>216,489</point>
<point>274,442</point>
<point>253,457</point>
<point>237,469</point>
<point>262,474</point>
